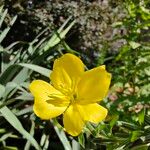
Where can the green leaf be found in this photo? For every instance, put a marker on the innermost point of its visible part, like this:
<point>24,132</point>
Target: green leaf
<point>81,140</point>
<point>29,109</point>
<point>135,135</point>
<point>42,141</point>
<point>27,146</point>
<point>75,145</point>
<point>10,148</point>
<point>134,45</point>
<point>2,90</point>
<point>3,15</point>
<point>61,135</point>
<point>127,125</point>
<point>13,120</point>
<point>7,103</point>
<point>55,39</point>
<point>1,8</point>
<point>1,49</point>
<point>4,33</point>
<point>141,147</point>
<point>124,49</point>
<point>36,68</point>
<point>141,116</point>
<point>21,76</point>
<point>8,74</point>
<point>114,120</point>
<point>25,97</point>
<point>10,89</point>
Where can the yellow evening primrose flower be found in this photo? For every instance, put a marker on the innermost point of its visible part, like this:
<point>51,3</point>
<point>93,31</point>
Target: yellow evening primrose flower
<point>73,92</point>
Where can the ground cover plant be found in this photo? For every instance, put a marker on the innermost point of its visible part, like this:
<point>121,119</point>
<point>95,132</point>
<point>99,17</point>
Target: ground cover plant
<point>127,125</point>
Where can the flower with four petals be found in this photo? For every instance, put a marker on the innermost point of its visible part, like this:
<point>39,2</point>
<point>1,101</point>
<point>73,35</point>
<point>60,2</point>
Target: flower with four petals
<point>73,92</point>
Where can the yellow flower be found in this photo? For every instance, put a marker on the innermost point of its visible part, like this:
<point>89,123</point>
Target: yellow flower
<point>73,92</point>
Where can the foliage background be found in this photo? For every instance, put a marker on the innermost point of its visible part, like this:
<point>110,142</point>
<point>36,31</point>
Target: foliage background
<point>115,33</point>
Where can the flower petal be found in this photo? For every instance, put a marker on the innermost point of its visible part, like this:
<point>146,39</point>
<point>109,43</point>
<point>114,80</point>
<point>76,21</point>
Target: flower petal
<point>46,111</point>
<point>92,112</point>
<point>49,102</point>
<point>66,72</point>
<point>72,120</point>
<point>93,85</point>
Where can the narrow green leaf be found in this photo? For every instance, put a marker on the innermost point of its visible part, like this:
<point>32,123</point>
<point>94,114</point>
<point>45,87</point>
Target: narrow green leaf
<point>25,97</point>
<point>130,126</point>
<point>5,136</point>
<point>141,147</point>
<point>2,90</point>
<point>1,49</point>
<point>61,135</point>
<point>21,76</point>
<point>55,39</point>
<point>46,144</point>
<point>36,68</point>
<point>4,33</point>
<point>11,88</point>
<point>10,148</point>
<point>13,120</point>
<point>27,146</point>
<point>75,145</point>
<point>55,35</point>
<point>42,141</point>
<point>8,74</point>
<point>2,131</point>
<point>141,116</point>
<point>114,120</point>
<point>7,103</point>
<point>1,8</point>
<point>3,17</point>
<point>25,111</point>
<point>81,140</point>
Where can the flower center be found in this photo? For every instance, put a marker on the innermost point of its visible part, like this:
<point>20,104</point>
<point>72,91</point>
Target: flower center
<point>73,98</point>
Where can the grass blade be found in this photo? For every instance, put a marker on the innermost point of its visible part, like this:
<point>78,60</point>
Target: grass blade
<point>61,135</point>
<point>4,33</point>
<point>13,120</point>
<point>2,17</point>
<point>41,70</point>
<point>55,39</point>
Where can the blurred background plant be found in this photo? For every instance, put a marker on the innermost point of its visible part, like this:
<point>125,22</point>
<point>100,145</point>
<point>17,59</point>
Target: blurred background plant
<point>115,33</point>
<point>91,34</point>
